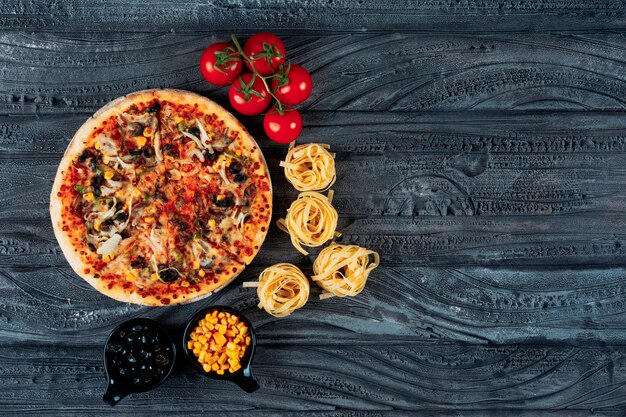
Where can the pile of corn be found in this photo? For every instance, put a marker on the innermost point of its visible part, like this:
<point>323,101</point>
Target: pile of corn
<point>219,341</point>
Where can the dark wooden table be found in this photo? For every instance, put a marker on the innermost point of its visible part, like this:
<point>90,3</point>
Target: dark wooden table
<point>481,149</point>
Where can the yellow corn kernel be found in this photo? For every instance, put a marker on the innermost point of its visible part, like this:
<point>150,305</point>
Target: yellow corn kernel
<point>220,372</point>
<point>206,367</point>
<point>130,276</point>
<point>88,196</point>
<point>213,346</point>
<point>185,284</point>
<point>120,194</point>
<point>248,340</point>
<point>219,339</point>
<point>148,131</point>
<point>230,345</point>
<point>235,368</point>
<point>149,219</point>
<point>189,345</point>
<point>109,174</point>
<point>222,329</point>
<point>238,152</point>
<point>201,273</point>
<point>202,356</point>
<point>211,223</point>
<point>197,345</point>
<point>97,144</point>
<point>196,264</point>
<point>140,141</point>
<point>136,193</point>
<point>229,333</point>
<point>222,359</point>
<point>154,276</point>
<point>202,339</point>
<point>215,366</point>
<point>237,340</point>
<point>233,361</point>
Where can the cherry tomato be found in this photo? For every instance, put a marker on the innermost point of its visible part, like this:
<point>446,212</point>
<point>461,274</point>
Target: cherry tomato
<point>220,64</point>
<point>248,96</point>
<point>283,128</point>
<point>266,51</point>
<point>294,86</point>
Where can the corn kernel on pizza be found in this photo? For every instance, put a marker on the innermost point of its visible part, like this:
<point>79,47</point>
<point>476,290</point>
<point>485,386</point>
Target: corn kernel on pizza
<point>161,197</point>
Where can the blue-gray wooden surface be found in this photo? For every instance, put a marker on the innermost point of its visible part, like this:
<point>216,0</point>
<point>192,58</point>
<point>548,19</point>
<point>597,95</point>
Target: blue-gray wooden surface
<point>481,148</point>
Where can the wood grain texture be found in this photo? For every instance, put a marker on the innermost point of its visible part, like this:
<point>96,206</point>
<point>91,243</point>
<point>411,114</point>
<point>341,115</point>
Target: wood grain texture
<point>480,150</point>
<point>315,15</point>
<point>46,73</point>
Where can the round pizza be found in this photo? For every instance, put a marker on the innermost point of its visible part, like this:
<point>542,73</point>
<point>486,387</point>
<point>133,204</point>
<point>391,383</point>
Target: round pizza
<point>161,197</point>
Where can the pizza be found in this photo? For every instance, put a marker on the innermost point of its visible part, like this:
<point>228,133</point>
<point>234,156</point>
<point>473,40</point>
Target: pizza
<point>161,197</point>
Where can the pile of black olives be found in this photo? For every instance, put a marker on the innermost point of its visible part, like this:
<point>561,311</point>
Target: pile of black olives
<point>139,355</point>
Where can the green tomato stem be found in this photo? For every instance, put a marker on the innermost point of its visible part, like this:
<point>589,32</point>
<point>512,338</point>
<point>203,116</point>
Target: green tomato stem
<point>279,105</point>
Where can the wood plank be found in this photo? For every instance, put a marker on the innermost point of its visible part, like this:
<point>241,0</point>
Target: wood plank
<point>393,379</point>
<point>317,15</point>
<point>65,73</point>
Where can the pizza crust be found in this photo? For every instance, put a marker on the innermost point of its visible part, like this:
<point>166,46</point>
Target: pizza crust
<point>76,147</point>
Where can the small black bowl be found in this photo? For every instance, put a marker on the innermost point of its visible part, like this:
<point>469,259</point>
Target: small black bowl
<point>243,377</point>
<point>138,356</point>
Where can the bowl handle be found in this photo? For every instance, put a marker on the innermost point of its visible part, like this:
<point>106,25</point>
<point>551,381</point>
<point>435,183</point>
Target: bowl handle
<point>113,395</point>
<point>246,381</point>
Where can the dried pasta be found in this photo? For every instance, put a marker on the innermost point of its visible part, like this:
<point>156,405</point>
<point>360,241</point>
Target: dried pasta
<point>282,289</point>
<point>311,220</point>
<point>342,270</point>
<point>310,167</point>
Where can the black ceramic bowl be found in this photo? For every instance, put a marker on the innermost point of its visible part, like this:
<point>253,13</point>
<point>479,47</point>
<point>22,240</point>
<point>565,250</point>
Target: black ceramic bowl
<point>243,377</point>
<point>138,356</point>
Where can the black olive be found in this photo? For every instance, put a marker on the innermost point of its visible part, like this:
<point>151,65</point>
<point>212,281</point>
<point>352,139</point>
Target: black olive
<point>83,156</point>
<point>135,152</point>
<point>158,195</point>
<point>240,178</point>
<point>96,181</point>
<point>179,223</point>
<point>121,216</point>
<point>168,275</point>
<point>224,202</point>
<point>110,204</point>
<point>139,263</point>
<point>210,157</point>
<point>96,192</point>
<point>148,152</point>
<point>91,246</point>
<point>119,205</point>
<point>108,223</point>
<point>162,359</point>
<point>194,131</point>
<point>136,128</point>
<point>125,234</point>
<point>170,150</point>
<point>115,348</point>
<point>235,167</point>
<point>146,339</point>
<point>94,164</point>
<point>250,191</point>
<point>154,108</point>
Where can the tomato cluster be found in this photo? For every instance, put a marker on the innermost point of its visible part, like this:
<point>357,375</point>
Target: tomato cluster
<point>268,78</point>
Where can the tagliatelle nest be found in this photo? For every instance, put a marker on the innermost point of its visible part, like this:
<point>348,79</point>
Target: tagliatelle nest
<point>342,270</point>
<point>310,167</point>
<point>311,220</point>
<point>282,289</point>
